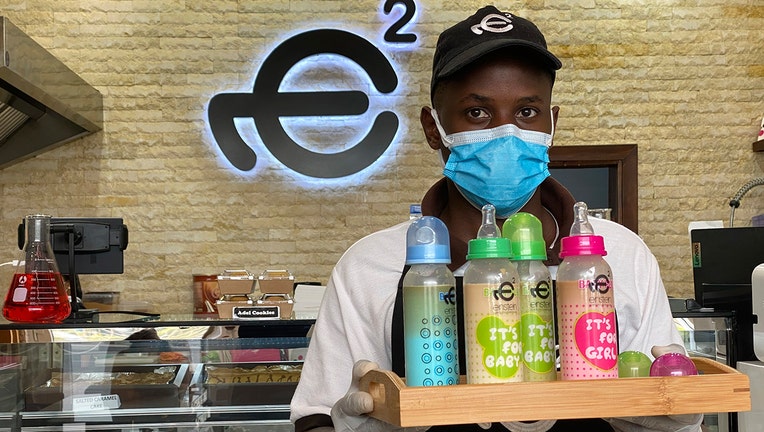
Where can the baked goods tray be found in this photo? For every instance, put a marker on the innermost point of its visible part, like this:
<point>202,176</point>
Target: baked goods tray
<point>144,386</point>
<point>229,384</point>
<point>717,388</point>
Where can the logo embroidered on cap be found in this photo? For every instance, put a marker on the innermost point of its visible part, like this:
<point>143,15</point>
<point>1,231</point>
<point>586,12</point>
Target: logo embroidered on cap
<point>494,23</point>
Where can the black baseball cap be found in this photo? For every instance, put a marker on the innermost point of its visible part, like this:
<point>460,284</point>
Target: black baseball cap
<point>489,29</point>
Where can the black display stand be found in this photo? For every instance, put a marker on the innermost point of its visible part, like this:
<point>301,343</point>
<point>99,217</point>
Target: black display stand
<point>79,313</point>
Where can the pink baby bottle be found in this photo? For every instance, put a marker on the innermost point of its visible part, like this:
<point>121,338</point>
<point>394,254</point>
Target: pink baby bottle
<point>588,330</point>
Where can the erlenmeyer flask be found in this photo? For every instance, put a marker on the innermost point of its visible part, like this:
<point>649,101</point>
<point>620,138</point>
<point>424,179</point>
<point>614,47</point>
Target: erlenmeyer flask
<point>37,293</point>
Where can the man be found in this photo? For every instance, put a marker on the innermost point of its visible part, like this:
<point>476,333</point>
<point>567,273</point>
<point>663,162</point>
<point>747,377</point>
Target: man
<point>492,123</point>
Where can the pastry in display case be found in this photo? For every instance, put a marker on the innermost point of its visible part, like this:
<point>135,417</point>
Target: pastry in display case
<point>149,386</point>
<point>250,384</point>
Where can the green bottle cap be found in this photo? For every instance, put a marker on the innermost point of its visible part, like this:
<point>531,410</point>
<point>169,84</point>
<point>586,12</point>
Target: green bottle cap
<point>491,247</point>
<point>526,235</point>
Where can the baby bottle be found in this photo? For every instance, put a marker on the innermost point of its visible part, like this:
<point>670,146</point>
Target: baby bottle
<point>588,329</point>
<point>536,299</point>
<point>491,307</point>
<point>429,306</point>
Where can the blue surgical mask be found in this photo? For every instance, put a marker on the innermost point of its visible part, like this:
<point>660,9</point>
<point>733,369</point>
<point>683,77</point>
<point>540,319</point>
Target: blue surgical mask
<point>502,166</point>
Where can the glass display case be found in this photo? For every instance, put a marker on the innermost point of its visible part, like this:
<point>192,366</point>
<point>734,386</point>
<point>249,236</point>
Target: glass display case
<point>173,374</point>
<point>711,335</point>
<point>187,374</point>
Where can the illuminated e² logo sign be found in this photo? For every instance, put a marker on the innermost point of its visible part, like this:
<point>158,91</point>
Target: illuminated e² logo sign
<point>266,104</point>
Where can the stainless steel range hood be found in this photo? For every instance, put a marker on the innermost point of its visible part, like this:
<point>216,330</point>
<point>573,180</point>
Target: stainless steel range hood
<point>43,104</point>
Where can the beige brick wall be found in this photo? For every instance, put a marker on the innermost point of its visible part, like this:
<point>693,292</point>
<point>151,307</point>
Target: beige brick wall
<point>684,80</point>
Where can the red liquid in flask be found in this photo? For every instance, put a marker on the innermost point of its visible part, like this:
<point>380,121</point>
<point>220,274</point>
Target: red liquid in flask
<point>35,297</point>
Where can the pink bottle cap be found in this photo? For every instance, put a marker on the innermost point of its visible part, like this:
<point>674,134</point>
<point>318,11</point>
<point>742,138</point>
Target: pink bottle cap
<point>582,245</point>
<point>673,364</point>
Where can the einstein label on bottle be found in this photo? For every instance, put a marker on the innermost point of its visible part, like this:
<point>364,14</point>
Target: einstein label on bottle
<point>430,327</point>
<point>537,325</point>
<point>492,329</point>
<point>588,329</point>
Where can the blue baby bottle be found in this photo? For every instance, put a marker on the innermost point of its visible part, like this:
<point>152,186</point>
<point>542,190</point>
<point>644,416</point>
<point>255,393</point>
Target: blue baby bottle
<point>429,306</point>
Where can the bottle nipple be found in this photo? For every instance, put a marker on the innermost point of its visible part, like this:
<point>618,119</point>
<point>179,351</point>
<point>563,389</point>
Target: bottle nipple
<point>489,243</point>
<point>489,229</point>
<point>582,240</point>
<point>581,225</point>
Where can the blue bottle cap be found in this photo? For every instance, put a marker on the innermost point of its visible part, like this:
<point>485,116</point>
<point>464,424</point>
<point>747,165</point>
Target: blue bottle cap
<point>427,242</point>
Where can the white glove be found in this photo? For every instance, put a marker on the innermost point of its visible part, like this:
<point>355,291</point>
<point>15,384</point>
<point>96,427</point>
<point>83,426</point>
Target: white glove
<point>516,426</point>
<point>349,414</point>
<point>659,350</point>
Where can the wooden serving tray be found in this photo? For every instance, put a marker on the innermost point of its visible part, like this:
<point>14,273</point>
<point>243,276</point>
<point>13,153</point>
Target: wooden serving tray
<point>718,388</point>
